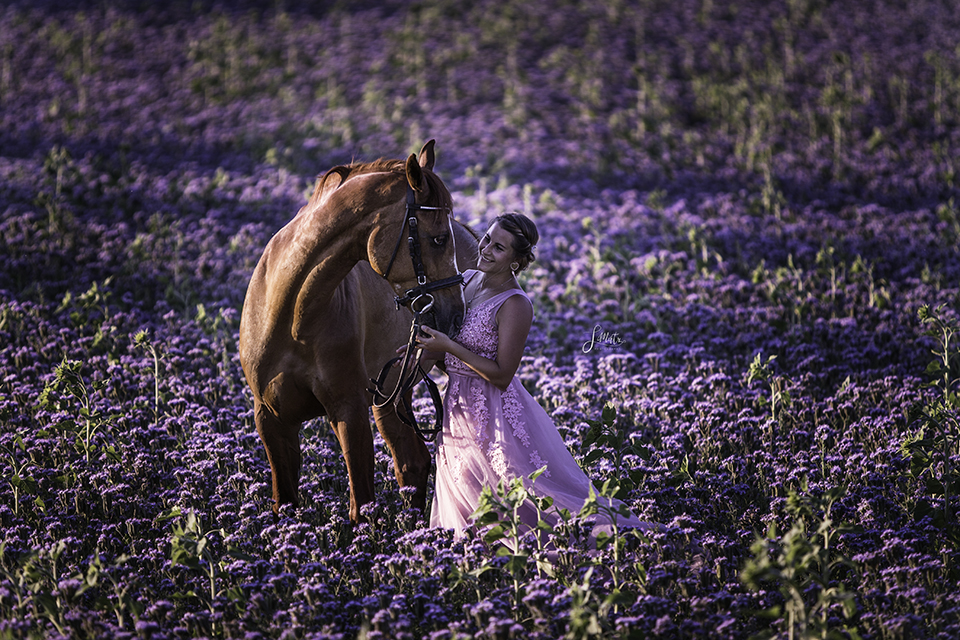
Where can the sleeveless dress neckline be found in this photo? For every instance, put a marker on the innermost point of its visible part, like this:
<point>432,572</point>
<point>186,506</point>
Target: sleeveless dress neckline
<point>511,290</point>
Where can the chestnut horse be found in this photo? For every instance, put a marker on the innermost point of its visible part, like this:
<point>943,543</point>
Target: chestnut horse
<point>319,318</point>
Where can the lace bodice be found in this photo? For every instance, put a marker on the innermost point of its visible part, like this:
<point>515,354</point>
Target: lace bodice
<point>479,332</point>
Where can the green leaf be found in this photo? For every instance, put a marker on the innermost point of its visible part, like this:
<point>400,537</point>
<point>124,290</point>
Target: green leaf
<point>487,517</point>
<point>593,456</point>
<point>49,603</point>
<point>517,563</point>
<point>590,437</point>
<point>641,451</point>
<point>536,474</point>
<point>24,484</point>
<point>609,415</point>
<point>934,487</point>
<point>934,367</point>
<point>494,534</point>
<point>849,605</point>
<point>93,574</point>
<point>169,514</point>
<point>853,633</point>
<point>617,597</point>
<point>603,539</point>
<point>479,571</point>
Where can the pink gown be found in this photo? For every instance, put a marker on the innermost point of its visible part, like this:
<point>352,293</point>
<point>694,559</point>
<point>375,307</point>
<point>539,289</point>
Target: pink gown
<point>489,435</point>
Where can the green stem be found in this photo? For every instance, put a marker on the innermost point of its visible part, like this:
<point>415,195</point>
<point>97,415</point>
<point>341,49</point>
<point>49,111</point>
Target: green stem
<point>156,386</point>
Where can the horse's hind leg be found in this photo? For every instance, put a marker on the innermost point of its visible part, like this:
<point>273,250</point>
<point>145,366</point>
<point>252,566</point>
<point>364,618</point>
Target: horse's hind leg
<point>282,443</point>
<point>411,459</point>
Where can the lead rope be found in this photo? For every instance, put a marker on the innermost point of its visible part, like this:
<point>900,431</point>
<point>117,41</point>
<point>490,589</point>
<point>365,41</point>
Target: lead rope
<point>408,378</point>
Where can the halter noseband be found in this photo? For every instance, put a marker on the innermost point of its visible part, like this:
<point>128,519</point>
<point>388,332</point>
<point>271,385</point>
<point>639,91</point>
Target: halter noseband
<point>423,288</point>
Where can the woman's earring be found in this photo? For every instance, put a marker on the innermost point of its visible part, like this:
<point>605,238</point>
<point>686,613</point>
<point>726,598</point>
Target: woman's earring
<point>514,266</point>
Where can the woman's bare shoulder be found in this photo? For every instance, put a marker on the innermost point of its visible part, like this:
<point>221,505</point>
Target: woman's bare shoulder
<point>518,306</point>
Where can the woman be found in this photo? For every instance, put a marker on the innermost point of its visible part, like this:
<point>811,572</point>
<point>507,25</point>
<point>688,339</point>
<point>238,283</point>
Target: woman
<point>493,429</point>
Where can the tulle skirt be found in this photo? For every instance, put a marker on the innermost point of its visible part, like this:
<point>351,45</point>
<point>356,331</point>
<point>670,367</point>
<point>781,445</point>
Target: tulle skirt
<point>489,436</point>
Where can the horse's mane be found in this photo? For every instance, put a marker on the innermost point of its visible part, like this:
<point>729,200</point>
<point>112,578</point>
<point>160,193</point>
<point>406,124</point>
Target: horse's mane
<point>470,230</point>
<point>342,173</point>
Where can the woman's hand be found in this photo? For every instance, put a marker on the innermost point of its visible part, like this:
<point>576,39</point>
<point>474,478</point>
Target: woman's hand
<point>434,341</point>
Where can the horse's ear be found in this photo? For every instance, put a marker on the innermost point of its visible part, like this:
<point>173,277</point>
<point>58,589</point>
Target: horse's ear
<point>414,173</point>
<point>427,155</point>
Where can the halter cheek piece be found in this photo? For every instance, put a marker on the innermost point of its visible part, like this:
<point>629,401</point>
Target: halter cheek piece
<point>423,288</point>
<point>410,359</point>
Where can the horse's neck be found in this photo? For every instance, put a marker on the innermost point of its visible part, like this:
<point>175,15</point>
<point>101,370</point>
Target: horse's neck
<point>326,243</point>
<point>324,251</point>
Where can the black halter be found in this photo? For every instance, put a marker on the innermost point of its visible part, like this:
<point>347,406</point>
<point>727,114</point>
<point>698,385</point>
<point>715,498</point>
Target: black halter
<point>423,288</point>
<point>410,369</point>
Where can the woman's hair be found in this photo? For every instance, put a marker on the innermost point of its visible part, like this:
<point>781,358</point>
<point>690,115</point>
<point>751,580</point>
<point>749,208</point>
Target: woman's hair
<point>525,236</point>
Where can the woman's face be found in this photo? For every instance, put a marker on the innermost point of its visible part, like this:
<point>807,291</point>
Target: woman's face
<point>496,250</point>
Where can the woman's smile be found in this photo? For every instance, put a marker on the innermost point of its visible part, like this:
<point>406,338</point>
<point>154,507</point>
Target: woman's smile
<point>496,250</point>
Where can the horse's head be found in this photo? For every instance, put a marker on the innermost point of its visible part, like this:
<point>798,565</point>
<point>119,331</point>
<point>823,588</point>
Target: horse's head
<point>389,250</point>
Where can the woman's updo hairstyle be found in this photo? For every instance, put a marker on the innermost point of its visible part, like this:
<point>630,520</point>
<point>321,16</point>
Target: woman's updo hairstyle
<point>525,237</point>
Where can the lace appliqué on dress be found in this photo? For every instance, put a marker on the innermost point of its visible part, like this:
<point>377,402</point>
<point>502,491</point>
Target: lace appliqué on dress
<point>538,463</point>
<point>498,461</point>
<point>455,461</point>
<point>482,417</point>
<point>513,411</point>
<point>454,395</point>
<point>478,334</point>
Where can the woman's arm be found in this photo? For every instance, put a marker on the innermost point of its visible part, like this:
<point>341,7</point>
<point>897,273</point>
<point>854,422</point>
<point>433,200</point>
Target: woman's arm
<point>513,321</point>
<point>429,359</point>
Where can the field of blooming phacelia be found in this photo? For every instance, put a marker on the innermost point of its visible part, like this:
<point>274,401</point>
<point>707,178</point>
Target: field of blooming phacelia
<point>747,301</point>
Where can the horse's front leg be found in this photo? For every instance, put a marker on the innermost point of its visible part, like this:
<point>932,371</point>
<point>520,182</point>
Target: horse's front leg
<point>411,458</point>
<point>352,427</point>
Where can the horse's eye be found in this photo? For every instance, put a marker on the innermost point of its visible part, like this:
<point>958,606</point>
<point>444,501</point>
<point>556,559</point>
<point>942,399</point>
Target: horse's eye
<point>440,240</point>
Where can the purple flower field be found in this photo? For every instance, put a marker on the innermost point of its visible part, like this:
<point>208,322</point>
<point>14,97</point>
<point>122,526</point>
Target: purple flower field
<point>747,299</point>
